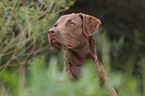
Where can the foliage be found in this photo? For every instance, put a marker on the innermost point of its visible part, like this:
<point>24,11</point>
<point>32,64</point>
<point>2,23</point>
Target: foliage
<point>23,29</point>
<point>51,82</point>
<point>23,35</point>
<point>125,82</point>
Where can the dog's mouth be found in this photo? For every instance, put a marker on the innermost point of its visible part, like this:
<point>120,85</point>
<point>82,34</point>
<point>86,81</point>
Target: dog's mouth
<point>69,46</point>
<point>57,45</point>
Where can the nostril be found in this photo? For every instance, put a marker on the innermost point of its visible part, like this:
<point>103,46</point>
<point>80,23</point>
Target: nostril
<point>52,31</point>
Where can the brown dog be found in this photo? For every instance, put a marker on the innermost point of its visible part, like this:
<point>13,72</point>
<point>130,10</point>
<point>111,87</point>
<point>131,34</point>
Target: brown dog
<point>74,34</point>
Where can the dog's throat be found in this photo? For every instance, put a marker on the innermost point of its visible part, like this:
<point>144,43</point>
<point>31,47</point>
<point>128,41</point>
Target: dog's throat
<point>73,64</point>
<point>73,70</point>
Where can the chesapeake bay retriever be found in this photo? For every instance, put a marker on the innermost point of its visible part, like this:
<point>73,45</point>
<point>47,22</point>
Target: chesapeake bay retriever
<point>73,33</point>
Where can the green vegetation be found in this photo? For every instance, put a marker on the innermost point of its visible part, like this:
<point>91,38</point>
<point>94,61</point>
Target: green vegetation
<point>29,66</point>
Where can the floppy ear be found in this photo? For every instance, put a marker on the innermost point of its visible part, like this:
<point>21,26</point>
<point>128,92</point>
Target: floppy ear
<point>90,24</point>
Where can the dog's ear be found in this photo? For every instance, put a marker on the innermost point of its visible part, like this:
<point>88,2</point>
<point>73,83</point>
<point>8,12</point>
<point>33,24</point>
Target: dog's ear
<point>90,24</point>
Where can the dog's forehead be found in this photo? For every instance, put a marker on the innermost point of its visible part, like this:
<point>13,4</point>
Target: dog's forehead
<point>72,16</point>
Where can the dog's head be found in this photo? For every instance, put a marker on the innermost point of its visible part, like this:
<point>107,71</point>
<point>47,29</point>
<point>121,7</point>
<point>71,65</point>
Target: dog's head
<point>72,31</point>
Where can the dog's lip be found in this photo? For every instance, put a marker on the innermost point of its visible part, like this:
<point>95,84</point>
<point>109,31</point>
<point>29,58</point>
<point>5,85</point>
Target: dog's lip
<point>69,46</point>
<point>55,44</point>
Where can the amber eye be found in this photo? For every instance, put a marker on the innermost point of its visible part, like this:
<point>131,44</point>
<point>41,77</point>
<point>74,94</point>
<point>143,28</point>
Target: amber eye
<point>72,23</point>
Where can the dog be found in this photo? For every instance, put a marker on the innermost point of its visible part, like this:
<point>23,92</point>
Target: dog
<point>73,33</point>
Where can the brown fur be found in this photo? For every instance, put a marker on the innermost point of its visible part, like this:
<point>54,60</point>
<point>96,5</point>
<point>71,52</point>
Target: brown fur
<point>73,34</point>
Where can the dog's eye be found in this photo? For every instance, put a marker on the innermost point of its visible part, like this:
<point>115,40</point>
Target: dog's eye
<point>72,23</point>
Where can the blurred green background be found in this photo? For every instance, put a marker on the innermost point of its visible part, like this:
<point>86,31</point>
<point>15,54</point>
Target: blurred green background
<point>30,67</point>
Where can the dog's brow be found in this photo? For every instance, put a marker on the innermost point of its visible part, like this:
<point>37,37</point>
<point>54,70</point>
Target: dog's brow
<point>69,20</point>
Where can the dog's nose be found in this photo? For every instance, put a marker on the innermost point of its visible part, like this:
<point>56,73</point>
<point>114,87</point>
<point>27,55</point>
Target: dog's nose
<point>52,31</point>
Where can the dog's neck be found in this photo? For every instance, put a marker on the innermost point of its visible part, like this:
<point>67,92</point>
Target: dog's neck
<point>76,58</point>
<point>80,55</point>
